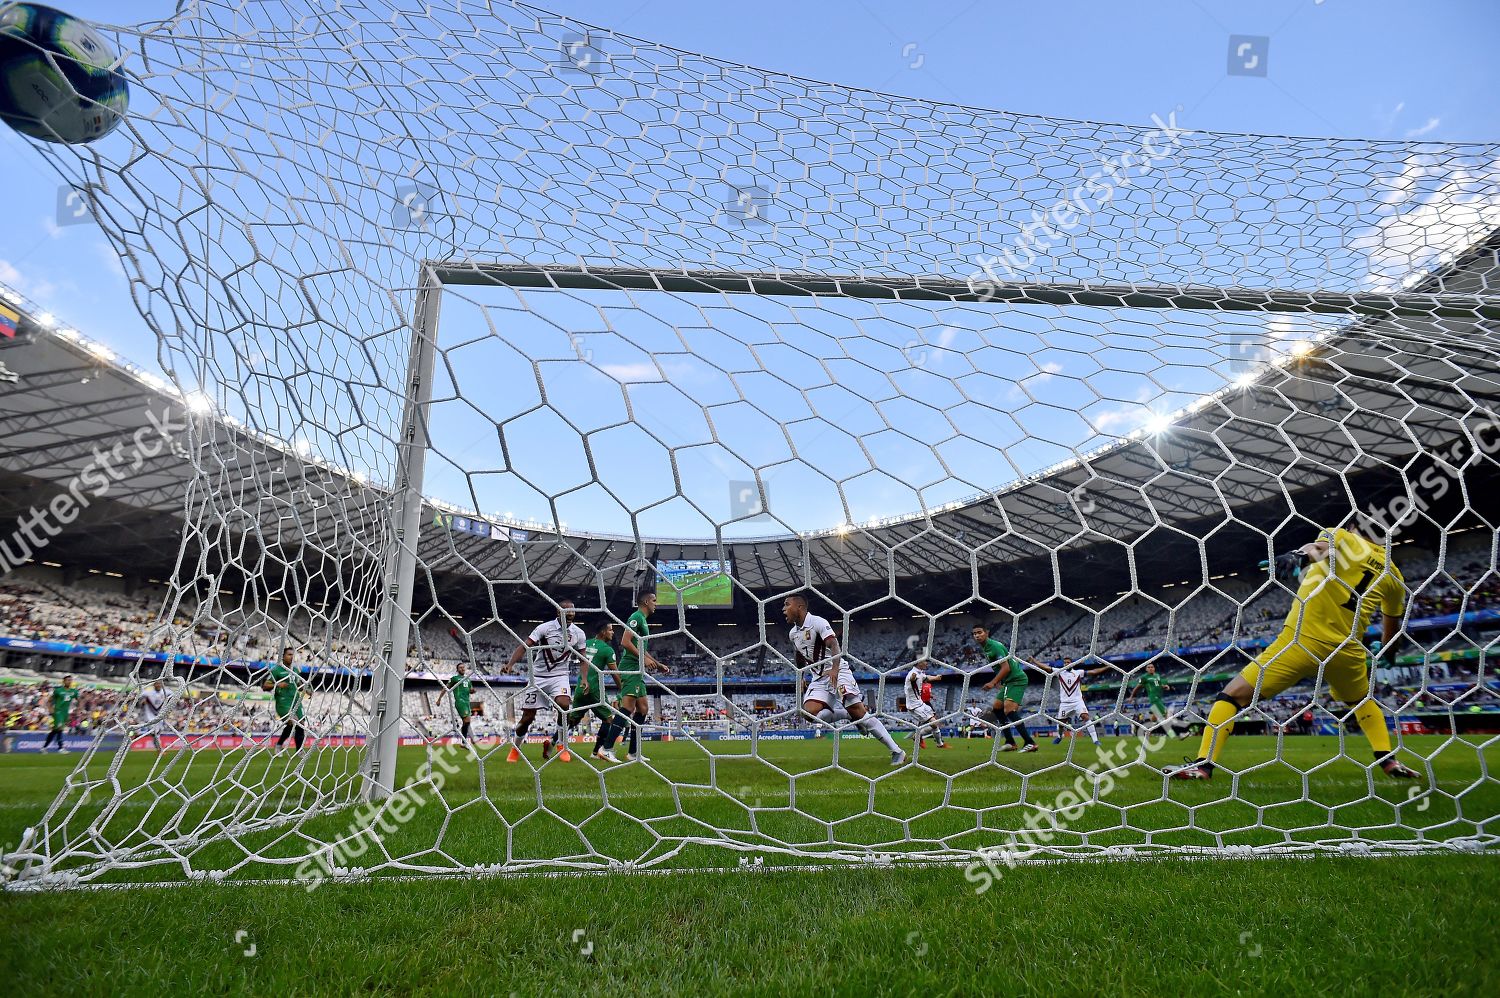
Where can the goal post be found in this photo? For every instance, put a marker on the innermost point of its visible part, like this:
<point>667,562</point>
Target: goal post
<point>393,636</point>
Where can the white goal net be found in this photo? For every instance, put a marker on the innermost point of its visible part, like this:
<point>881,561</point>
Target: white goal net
<point>480,318</point>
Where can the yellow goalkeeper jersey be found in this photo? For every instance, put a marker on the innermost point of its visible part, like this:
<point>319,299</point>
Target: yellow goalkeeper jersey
<point>1338,597</point>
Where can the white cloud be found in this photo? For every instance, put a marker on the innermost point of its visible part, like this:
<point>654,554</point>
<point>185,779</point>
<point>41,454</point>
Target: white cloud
<point>1417,133</point>
<point>110,258</point>
<point>632,372</point>
<point>1432,212</point>
<point>38,290</point>
<point>1121,419</point>
<point>1043,375</point>
<point>1386,118</point>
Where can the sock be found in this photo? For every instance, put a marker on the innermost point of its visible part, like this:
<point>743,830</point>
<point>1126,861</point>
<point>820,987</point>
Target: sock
<point>521,729</point>
<point>610,732</point>
<point>286,729</point>
<point>1372,722</point>
<point>463,730</point>
<point>870,725</point>
<point>993,716</point>
<point>635,733</point>
<point>1013,719</point>
<point>1093,734</point>
<point>297,735</point>
<point>54,733</point>
<point>1218,729</point>
<point>562,730</point>
<point>839,714</point>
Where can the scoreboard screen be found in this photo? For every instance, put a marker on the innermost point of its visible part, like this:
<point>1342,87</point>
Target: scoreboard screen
<point>697,583</point>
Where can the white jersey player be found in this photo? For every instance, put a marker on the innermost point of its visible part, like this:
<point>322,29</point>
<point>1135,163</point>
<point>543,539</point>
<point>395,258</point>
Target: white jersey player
<point>150,703</point>
<point>927,722</point>
<point>1071,710</point>
<point>832,695</point>
<point>561,643</point>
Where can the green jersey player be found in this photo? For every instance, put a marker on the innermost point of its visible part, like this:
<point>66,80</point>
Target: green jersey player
<point>286,688</point>
<point>589,696</point>
<point>1010,676</point>
<point>1155,688</point>
<point>634,661</point>
<point>62,706</point>
<point>462,688</point>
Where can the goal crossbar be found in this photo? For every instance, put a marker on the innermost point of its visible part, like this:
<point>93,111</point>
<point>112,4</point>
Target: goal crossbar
<point>944,289</point>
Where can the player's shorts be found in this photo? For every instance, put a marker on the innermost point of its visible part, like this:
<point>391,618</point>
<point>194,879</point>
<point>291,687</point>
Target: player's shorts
<point>1014,692</point>
<point>149,728</point>
<point>286,714</point>
<point>587,700</point>
<point>1159,710</point>
<point>1288,661</point>
<point>632,684</point>
<point>921,711</point>
<point>822,690</point>
<point>543,692</point>
<point>1068,708</point>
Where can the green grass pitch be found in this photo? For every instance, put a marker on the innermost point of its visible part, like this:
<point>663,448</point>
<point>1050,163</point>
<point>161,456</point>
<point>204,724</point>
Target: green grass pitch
<point>1418,925</point>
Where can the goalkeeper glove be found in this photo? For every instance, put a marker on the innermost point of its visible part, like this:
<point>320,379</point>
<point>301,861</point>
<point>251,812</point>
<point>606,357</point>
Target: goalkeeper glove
<point>1287,567</point>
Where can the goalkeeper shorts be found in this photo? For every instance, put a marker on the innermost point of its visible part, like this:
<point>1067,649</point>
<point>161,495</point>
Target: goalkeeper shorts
<point>1289,660</point>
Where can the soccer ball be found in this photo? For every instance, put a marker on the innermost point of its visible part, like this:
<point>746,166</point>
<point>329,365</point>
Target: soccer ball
<point>58,76</point>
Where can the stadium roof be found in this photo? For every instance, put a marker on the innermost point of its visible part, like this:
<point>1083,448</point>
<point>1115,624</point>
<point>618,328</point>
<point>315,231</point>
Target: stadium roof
<point>1272,452</point>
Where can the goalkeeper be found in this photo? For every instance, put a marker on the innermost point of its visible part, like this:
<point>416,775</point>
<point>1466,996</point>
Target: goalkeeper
<point>1344,578</point>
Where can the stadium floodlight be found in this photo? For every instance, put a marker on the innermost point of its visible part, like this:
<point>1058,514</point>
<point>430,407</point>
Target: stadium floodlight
<point>696,272</point>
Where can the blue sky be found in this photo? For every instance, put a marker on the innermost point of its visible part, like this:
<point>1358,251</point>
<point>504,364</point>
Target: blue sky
<point>1350,68</point>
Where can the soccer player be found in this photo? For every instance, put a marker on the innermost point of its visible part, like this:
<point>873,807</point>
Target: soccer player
<point>832,695</point>
<point>561,641</point>
<point>151,703</point>
<point>462,688</point>
<point>589,697</point>
<point>286,687</point>
<point>1071,710</point>
<point>1155,687</point>
<point>1010,676</point>
<point>633,699</point>
<point>1344,578</point>
<point>917,706</point>
<point>62,706</point>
